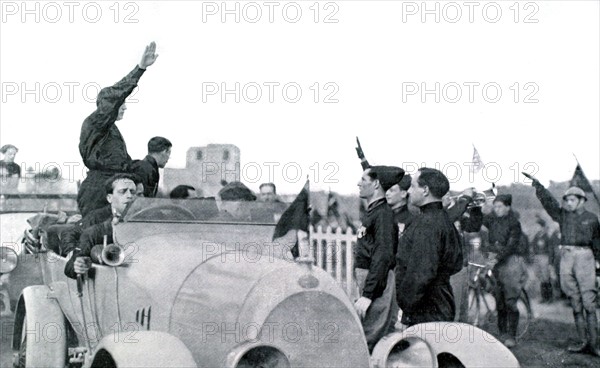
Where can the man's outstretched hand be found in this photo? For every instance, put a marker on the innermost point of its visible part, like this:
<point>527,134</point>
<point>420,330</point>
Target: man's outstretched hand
<point>359,150</point>
<point>529,176</point>
<point>149,56</point>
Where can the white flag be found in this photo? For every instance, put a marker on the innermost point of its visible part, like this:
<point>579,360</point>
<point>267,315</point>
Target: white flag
<point>477,163</point>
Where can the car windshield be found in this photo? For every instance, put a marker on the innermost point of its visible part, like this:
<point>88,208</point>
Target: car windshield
<point>203,210</point>
<point>37,195</point>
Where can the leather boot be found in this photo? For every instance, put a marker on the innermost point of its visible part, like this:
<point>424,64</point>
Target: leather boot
<point>513,323</point>
<point>580,323</point>
<point>592,326</point>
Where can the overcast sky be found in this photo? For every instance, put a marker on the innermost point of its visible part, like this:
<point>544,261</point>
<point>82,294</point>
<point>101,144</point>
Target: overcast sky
<point>361,68</point>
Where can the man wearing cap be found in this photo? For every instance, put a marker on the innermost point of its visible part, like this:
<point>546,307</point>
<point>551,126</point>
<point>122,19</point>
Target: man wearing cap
<point>430,251</point>
<point>101,144</point>
<point>159,152</point>
<point>374,254</point>
<point>232,208</point>
<point>504,255</point>
<point>580,234</point>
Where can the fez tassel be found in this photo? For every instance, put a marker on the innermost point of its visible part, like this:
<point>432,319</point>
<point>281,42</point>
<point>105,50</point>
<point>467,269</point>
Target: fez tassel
<point>580,180</point>
<point>295,217</point>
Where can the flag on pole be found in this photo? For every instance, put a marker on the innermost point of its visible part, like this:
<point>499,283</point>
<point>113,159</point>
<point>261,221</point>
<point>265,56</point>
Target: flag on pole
<point>295,217</point>
<point>477,163</point>
<point>580,180</point>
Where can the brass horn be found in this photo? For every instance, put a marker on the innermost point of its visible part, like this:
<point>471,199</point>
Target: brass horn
<point>113,255</point>
<point>479,198</point>
<point>110,255</point>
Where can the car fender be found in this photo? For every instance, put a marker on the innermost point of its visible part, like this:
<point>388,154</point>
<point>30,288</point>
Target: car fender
<point>432,342</point>
<point>45,324</point>
<point>142,349</point>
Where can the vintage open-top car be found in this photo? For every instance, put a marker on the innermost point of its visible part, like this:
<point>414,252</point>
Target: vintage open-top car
<point>200,283</point>
<point>19,205</point>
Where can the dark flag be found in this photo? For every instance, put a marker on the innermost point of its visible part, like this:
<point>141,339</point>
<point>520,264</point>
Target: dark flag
<point>295,217</point>
<point>579,180</point>
<point>332,207</point>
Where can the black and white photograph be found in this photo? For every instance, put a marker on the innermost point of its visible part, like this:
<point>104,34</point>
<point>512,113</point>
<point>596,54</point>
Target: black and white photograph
<point>299,184</point>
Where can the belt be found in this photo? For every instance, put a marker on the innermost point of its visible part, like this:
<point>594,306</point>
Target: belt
<point>571,246</point>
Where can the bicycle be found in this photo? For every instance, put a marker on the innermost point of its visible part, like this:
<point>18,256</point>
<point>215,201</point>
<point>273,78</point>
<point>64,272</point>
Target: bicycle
<point>482,304</point>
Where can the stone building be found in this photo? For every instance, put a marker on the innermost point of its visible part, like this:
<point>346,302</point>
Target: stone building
<point>206,167</point>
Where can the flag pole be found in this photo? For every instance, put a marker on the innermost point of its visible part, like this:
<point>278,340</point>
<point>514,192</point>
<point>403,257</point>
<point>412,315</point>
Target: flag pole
<point>309,211</point>
<point>581,168</point>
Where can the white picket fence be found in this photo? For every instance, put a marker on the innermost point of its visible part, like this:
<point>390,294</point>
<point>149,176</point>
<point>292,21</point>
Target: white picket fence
<point>333,252</point>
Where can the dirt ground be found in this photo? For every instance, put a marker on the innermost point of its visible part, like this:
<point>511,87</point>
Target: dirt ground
<point>543,345</point>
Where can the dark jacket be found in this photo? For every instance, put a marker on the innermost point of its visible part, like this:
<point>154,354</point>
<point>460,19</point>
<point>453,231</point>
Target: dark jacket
<point>89,237</point>
<point>101,144</point>
<point>70,238</point>
<point>147,169</point>
<point>576,228</point>
<point>504,233</point>
<point>11,168</point>
<point>374,247</point>
<point>430,252</point>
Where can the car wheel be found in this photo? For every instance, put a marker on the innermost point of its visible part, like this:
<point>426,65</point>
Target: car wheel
<point>19,360</point>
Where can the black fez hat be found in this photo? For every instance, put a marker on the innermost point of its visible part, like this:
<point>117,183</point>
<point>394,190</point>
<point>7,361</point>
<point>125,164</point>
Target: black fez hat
<point>236,191</point>
<point>504,198</point>
<point>388,176</point>
<point>404,183</point>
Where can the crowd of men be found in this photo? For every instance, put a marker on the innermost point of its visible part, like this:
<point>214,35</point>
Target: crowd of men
<point>425,251</point>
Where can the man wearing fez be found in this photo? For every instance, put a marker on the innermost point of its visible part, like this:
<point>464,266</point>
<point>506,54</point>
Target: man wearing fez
<point>505,249</point>
<point>101,144</point>
<point>580,239</point>
<point>374,254</point>
<point>430,251</point>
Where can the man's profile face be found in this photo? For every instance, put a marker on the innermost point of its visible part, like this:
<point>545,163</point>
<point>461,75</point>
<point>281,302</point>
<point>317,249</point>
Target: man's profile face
<point>124,192</point>
<point>121,112</point>
<point>267,194</point>
<point>163,158</point>
<point>366,185</point>
<point>192,193</point>
<point>416,192</point>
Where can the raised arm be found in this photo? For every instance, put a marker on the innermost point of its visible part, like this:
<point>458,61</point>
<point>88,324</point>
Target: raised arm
<point>361,155</point>
<point>548,201</point>
<point>109,101</point>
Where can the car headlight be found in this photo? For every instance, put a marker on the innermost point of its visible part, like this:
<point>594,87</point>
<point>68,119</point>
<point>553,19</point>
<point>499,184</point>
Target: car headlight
<point>255,355</point>
<point>8,259</point>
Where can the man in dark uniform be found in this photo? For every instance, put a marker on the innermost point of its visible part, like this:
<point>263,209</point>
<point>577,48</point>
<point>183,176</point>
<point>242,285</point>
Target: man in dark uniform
<point>397,199</point>
<point>374,260</point>
<point>121,191</point>
<point>101,144</point>
<point>159,151</point>
<point>580,239</point>
<point>505,251</point>
<point>430,251</point>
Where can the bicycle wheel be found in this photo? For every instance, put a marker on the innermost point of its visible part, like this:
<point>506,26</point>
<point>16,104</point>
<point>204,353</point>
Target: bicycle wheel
<point>525,314</point>
<point>481,307</point>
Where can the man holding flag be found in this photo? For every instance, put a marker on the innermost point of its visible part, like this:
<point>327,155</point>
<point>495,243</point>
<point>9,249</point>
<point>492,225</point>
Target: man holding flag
<point>580,234</point>
<point>374,254</point>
